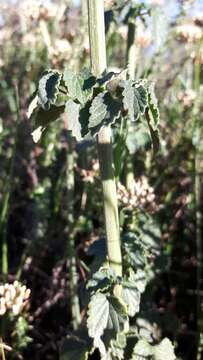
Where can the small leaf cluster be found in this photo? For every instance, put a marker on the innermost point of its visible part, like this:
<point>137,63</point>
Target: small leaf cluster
<point>91,103</point>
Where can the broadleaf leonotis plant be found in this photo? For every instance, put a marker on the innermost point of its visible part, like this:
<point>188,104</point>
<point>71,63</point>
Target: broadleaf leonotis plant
<point>92,103</point>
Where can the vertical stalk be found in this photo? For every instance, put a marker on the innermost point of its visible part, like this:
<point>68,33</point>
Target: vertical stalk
<point>131,49</point>
<point>6,200</point>
<point>198,197</point>
<point>73,284</point>
<point>131,64</point>
<point>98,64</point>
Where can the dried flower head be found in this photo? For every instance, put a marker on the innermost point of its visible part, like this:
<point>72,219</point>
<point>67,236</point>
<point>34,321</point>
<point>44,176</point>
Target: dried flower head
<point>187,97</point>
<point>189,32</point>
<point>14,298</point>
<point>38,10</point>
<point>140,195</point>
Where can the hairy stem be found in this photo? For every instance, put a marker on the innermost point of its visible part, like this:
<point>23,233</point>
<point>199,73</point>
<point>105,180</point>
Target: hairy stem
<point>98,64</point>
<point>6,200</point>
<point>73,285</point>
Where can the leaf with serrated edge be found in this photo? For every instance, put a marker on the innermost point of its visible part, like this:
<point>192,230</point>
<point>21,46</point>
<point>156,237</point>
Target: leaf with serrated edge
<point>48,88</point>
<point>98,314</point>
<point>72,109</point>
<point>32,106</point>
<point>74,348</point>
<point>134,98</point>
<point>37,133</point>
<point>43,118</point>
<point>142,350</point>
<point>105,312</point>
<point>80,86</point>
<point>101,280</point>
<point>98,111</point>
<point>152,116</point>
<point>141,95</point>
<point>164,350</point>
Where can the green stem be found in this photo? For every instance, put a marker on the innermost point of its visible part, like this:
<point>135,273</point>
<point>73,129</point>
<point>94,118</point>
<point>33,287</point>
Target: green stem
<point>131,49</point>
<point>6,200</point>
<point>73,284</point>
<point>98,64</point>
<point>198,196</point>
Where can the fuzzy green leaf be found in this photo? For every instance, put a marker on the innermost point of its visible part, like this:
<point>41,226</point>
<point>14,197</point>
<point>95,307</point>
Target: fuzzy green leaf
<point>142,350</point>
<point>117,346</point>
<point>98,112</point>
<point>105,312</point>
<point>153,117</point>
<point>164,350</point>
<point>80,86</point>
<point>43,118</point>
<point>134,98</point>
<point>72,109</point>
<point>104,111</point>
<point>76,347</point>
<point>131,296</point>
<point>101,281</point>
<point>48,88</point>
<point>138,137</point>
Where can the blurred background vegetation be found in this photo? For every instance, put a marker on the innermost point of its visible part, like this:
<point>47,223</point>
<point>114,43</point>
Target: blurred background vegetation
<point>50,194</point>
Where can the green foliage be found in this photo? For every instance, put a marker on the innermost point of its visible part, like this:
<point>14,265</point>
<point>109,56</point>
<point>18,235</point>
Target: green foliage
<point>105,313</point>
<point>143,350</point>
<point>21,338</point>
<point>48,88</point>
<point>92,103</point>
<point>80,87</point>
<point>76,346</point>
<point>134,98</point>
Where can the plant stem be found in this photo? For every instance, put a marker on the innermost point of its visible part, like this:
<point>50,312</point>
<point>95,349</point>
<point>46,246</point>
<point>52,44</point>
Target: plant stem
<point>73,284</point>
<point>98,64</point>
<point>198,196</point>
<point>131,49</point>
<point>6,199</point>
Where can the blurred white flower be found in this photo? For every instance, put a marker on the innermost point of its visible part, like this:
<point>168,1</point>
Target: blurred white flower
<point>189,32</point>
<point>14,298</point>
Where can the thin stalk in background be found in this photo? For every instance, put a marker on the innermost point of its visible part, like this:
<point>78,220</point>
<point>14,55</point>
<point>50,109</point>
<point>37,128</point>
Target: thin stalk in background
<point>98,65</point>
<point>71,256</point>
<point>198,196</point>
<point>131,64</point>
<point>6,198</point>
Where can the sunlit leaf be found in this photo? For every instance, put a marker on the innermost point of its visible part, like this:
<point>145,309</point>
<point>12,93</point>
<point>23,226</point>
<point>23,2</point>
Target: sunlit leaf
<point>164,350</point>
<point>80,86</point>
<point>48,88</point>
<point>72,109</point>
<point>43,118</point>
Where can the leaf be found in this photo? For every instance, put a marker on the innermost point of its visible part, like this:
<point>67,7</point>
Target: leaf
<point>132,288</point>
<point>98,315</point>
<point>164,350</point>
<point>43,118</point>
<point>134,98</point>
<point>48,88</point>
<point>37,133</point>
<point>32,106</point>
<point>80,86</point>
<point>142,350</point>
<point>105,312</point>
<point>131,296</point>
<point>76,347</point>
<point>138,137</point>
<point>72,109</point>
<point>140,279</point>
<point>101,281</point>
<point>117,346</point>
<point>98,112</point>
<point>153,117</point>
